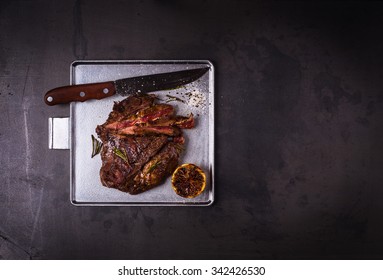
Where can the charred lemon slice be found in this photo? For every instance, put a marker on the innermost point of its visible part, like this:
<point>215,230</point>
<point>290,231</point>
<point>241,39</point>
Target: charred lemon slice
<point>188,180</point>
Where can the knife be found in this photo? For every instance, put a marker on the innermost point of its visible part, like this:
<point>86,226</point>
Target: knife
<point>124,87</point>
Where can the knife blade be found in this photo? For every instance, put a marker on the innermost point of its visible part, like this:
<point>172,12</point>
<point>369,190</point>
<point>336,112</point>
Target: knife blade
<point>124,87</point>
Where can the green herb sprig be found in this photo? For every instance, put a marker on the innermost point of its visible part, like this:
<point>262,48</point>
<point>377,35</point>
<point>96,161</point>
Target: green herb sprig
<point>121,154</point>
<point>96,146</point>
<point>173,98</point>
<point>151,168</point>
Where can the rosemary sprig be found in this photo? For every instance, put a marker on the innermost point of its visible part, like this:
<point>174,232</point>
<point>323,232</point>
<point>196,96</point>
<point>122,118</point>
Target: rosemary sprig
<point>151,168</point>
<point>173,98</point>
<point>96,146</point>
<point>121,154</point>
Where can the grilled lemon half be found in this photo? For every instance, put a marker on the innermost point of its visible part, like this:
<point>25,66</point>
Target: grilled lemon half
<point>188,180</point>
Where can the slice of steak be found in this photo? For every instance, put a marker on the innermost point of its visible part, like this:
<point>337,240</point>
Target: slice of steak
<point>142,117</point>
<point>177,121</point>
<point>123,109</point>
<point>157,169</point>
<point>130,105</point>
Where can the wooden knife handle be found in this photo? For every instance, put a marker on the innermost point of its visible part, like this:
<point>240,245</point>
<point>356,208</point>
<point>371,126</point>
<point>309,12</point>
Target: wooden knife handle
<point>62,95</point>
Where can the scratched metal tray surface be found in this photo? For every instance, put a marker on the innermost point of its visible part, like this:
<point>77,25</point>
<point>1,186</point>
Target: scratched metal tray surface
<point>86,188</point>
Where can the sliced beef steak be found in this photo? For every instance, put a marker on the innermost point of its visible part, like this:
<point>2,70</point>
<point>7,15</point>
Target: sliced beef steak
<point>142,143</point>
<point>122,158</point>
<point>123,109</point>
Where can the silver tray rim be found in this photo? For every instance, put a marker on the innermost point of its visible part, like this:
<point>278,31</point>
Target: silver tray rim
<point>211,135</point>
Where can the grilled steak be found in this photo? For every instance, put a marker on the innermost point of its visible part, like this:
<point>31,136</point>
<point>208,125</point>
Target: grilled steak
<point>142,142</point>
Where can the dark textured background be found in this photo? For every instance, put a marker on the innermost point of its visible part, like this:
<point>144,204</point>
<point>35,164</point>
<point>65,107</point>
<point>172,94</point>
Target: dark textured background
<point>299,129</point>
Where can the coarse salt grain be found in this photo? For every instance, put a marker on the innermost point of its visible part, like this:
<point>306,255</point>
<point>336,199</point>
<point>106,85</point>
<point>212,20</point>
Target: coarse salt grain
<point>196,99</point>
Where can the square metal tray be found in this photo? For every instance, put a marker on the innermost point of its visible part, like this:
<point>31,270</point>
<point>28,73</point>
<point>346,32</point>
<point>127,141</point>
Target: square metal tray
<point>86,188</point>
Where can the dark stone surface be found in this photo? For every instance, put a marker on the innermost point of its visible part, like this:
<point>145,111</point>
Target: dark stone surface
<point>299,129</point>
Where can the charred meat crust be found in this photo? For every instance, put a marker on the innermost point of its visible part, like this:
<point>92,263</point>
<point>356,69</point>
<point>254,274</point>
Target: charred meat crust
<point>115,171</point>
<point>156,170</point>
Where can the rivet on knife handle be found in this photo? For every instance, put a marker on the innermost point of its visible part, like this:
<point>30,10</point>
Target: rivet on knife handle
<point>66,94</point>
